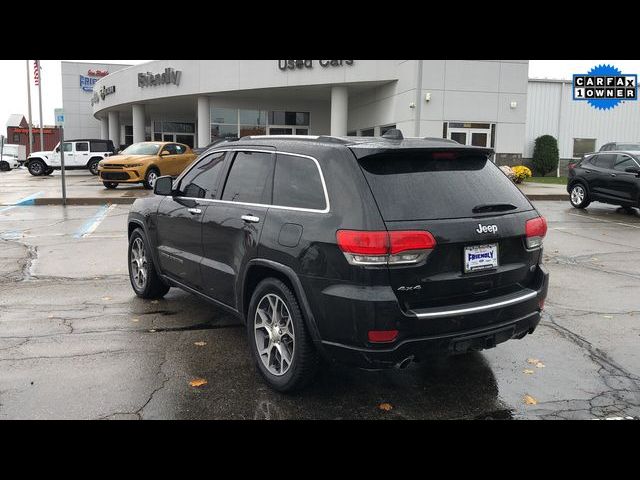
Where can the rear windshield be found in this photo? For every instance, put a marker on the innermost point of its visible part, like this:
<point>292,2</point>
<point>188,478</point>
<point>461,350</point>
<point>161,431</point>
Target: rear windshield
<point>417,186</point>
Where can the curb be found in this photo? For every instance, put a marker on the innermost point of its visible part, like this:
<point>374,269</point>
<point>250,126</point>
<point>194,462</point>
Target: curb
<point>86,201</point>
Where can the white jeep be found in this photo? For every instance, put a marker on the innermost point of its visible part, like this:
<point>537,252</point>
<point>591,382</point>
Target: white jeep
<point>78,154</point>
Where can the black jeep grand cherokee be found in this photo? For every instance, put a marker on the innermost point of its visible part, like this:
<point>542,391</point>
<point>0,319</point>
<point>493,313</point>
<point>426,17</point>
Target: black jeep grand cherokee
<point>371,251</point>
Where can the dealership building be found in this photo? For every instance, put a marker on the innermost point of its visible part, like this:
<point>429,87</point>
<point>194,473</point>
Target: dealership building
<point>476,102</point>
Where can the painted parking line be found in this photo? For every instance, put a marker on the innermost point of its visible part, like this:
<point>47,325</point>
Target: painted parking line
<point>30,200</point>
<point>90,225</point>
<point>605,221</point>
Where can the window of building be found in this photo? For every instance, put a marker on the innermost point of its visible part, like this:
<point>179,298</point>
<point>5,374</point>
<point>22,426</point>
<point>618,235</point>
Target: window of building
<point>16,138</point>
<point>367,132</point>
<point>386,128</point>
<point>128,134</point>
<point>279,117</point>
<point>297,183</point>
<point>352,133</point>
<point>250,178</point>
<point>202,180</point>
<point>582,146</point>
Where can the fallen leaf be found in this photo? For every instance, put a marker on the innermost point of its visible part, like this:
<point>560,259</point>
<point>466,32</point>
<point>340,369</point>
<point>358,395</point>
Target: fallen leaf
<point>198,382</point>
<point>385,407</point>
<point>106,298</point>
<point>152,330</point>
<point>50,316</point>
<point>607,316</point>
<point>527,371</point>
<point>529,400</point>
<point>532,361</point>
<point>135,319</point>
<point>540,365</point>
<point>200,344</point>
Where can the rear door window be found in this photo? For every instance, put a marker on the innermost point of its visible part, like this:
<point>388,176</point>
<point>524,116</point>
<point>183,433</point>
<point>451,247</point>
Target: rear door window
<point>97,146</point>
<point>297,183</point>
<point>415,185</point>
<point>605,161</point>
<point>82,147</point>
<point>250,178</point>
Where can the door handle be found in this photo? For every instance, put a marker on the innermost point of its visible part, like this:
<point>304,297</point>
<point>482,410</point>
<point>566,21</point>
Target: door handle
<point>194,211</point>
<point>587,171</point>
<point>613,174</point>
<point>250,218</point>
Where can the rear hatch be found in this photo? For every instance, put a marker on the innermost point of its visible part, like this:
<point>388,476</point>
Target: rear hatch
<point>476,215</point>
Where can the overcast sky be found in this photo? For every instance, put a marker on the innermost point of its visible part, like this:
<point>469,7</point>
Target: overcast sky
<point>13,88</point>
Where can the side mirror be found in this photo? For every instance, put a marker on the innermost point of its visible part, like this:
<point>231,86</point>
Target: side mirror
<point>163,186</point>
<point>164,152</point>
<point>57,149</point>
<point>635,170</point>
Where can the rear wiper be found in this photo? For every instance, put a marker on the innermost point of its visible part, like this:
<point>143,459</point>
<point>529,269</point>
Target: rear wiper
<point>493,207</point>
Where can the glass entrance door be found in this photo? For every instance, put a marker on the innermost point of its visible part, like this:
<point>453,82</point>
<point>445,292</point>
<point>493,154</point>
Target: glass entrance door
<point>478,137</point>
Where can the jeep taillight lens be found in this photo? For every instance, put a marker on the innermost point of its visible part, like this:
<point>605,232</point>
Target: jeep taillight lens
<point>535,229</point>
<point>385,248</point>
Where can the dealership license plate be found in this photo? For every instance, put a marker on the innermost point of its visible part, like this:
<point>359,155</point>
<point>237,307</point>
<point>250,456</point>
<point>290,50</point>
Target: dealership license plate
<point>480,257</point>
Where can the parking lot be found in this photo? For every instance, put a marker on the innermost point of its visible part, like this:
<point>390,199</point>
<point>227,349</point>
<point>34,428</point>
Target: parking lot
<point>75,342</point>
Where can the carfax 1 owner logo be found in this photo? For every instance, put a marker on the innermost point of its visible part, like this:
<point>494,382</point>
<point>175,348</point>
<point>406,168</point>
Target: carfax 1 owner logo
<point>605,86</point>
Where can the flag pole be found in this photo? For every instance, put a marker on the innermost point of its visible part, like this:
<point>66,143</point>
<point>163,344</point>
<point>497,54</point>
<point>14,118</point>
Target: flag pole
<point>40,96</point>
<point>29,102</point>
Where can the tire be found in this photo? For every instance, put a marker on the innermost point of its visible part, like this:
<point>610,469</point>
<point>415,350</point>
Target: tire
<point>110,185</point>
<point>93,167</point>
<point>142,272</point>
<point>150,178</point>
<point>578,196</point>
<point>4,166</point>
<point>48,171</point>
<point>37,168</point>
<point>294,339</point>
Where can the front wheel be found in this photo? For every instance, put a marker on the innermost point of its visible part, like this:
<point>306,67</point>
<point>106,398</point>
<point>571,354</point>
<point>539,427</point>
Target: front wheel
<point>93,167</point>
<point>142,273</point>
<point>110,185</point>
<point>578,196</point>
<point>280,344</point>
<point>36,167</point>
<point>150,178</point>
<point>48,171</point>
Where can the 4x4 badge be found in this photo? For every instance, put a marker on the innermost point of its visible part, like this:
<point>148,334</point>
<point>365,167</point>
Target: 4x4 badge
<point>487,228</point>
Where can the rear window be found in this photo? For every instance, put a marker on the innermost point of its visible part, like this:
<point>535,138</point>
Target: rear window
<point>417,186</point>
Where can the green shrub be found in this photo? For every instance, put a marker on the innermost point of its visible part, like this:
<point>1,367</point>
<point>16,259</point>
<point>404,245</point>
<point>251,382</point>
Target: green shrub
<point>545,155</point>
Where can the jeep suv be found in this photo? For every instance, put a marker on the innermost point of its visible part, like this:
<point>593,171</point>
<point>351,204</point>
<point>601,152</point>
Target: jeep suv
<point>371,251</point>
<point>78,154</point>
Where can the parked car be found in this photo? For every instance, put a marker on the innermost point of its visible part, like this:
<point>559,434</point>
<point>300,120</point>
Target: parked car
<point>609,177</point>
<point>16,151</point>
<point>144,162</point>
<point>201,150</point>
<point>78,154</point>
<point>607,147</point>
<point>8,161</point>
<point>373,251</point>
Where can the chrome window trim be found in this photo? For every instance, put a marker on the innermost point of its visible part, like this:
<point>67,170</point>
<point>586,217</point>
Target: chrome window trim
<point>482,308</point>
<point>327,208</point>
<point>631,157</point>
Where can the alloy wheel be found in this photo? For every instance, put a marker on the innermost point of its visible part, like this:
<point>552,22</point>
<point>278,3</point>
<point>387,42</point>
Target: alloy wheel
<point>274,334</point>
<point>577,195</point>
<point>139,264</point>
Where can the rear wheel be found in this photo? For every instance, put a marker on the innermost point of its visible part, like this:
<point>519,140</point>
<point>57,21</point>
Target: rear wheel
<point>578,196</point>
<point>278,339</point>
<point>36,167</point>
<point>110,185</point>
<point>150,178</point>
<point>4,166</point>
<point>142,273</point>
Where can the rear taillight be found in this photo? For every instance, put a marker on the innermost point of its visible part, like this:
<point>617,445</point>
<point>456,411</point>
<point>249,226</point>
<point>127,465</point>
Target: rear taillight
<point>535,229</point>
<point>385,248</point>
<point>382,336</point>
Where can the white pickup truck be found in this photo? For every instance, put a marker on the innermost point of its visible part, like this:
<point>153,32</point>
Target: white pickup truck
<point>78,154</point>
<point>12,156</point>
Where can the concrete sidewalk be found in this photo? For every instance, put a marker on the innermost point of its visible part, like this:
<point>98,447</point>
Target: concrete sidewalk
<point>18,187</point>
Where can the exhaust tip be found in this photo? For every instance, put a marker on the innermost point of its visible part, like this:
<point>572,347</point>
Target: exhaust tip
<point>404,363</point>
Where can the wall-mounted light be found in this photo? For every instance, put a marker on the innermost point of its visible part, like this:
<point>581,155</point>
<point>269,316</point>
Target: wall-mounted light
<point>514,104</point>
<point>427,97</point>
<point>412,105</point>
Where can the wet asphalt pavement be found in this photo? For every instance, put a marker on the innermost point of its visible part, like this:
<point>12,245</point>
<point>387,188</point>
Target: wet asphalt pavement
<point>75,342</point>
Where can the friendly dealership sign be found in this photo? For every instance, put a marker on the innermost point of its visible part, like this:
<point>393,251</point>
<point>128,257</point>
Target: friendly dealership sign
<point>169,76</point>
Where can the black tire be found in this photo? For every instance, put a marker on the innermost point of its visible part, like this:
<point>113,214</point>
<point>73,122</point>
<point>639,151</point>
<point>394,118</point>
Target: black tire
<point>37,168</point>
<point>93,166</point>
<point>154,173</point>
<point>110,185</point>
<point>304,359</point>
<point>579,196</point>
<point>48,171</point>
<point>153,286</point>
<point>4,166</point>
